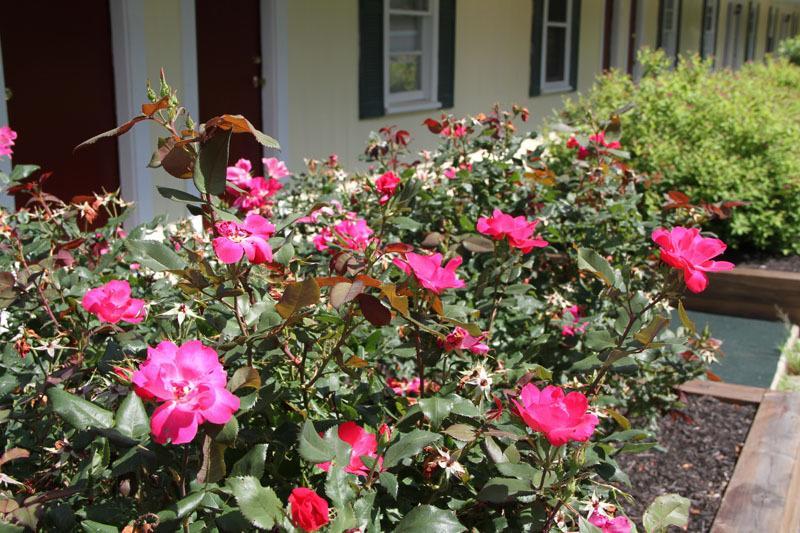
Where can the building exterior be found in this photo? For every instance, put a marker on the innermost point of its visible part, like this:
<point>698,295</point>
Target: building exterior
<point>320,75</point>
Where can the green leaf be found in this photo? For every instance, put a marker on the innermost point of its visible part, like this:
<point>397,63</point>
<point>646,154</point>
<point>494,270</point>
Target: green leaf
<point>213,467</point>
<point>666,510</point>
<point>389,482</point>
<point>178,195</point>
<point>76,411</point>
<point>210,171</point>
<point>429,519</point>
<point>462,432</point>
<point>89,526</point>
<point>520,471</point>
<point>436,409</point>
<point>649,332</point>
<point>155,255</point>
<point>251,463</point>
<point>499,489</point>
<point>258,504</point>
<point>408,445</point>
<point>228,433</point>
<point>20,172</point>
<point>131,419</point>
<point>406,223</point>
<point>284,255</point>
<point>296,296</point>
<point>478,244</point>
<point>337,486</point>
<point>584,526</point>
<point>186,506</point>
<point>685,320</point>
<point>314,448</point>
<point>596,264</point>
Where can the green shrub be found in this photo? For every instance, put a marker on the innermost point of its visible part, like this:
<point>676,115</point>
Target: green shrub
<point>715,136</point>
<point>790,49</point>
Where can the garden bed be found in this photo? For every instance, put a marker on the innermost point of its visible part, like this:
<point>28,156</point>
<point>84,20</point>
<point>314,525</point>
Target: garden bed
<point>790,263</point>
<point>752,293</point>
<point>701,445</point>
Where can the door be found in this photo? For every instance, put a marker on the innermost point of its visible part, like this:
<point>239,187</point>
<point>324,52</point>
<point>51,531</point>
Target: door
<point>59,77</point>
<point>708,46</point>
<point>229,68</point>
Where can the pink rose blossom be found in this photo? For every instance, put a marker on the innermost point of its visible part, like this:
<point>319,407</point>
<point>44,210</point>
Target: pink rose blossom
<point>460,339</point>
<point>7,136</point>
<point>387,186</point>
<point>573,314</point>
<point>518,230</point>
<point>351,233</point>
<point>190,380</point>
<point>404,387</point>
<point>687,250</point>
<point>562,418</point>
<point>239,174</point>
<point>598,141</point>
<point>362,443</point>
<point>275,168</point>
<point>449,173</point>
<point>428,271</point>
<point>249,238</point>
<point>257,192</point>
<point>112,302</point>
<point>135,266</point>
<point>619,524</point>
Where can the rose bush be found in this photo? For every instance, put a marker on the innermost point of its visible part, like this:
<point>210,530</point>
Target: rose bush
<point>463,353</point>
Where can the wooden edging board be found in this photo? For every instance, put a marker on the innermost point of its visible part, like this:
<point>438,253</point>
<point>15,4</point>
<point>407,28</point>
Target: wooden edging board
<point>764,490</point>
<point>750,293</point>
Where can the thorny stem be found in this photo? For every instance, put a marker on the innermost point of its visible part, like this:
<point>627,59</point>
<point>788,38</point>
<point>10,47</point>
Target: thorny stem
<point>39,289</point>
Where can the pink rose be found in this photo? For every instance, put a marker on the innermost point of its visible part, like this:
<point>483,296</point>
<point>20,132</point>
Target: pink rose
<point>7,136</point>
<point>428,271</point>
<point>309,510</point>
<point>619,524</point>
<point>449,173</point>
<point>275,168</point>
<point>561,418</point>
<point>256,193</point>
<point>518,230</point>
<point>460,339</point>
<point>351,233</point>
<point>573,314</point>
<point>387,186</point>
<point>190,381</point>
<point>597,141</point>
<point>239,174</point>
<point>249,238</point>
<point>685,249</point>
<point>112,302</point>
<point>362,443</point>
<point>404,387</point>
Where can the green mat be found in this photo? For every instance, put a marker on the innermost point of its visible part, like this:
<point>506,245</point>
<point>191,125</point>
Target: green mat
<point>751,347</point>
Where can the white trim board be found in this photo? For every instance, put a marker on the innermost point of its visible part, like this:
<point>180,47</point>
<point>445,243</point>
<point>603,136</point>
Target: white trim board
<point>6,200</point>
<point>130,76</point>
<point>275,61</point>
<point>190,95</point>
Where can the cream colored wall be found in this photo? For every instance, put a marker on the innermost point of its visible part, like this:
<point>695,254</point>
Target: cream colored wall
<point>492,65</point>
<point>691,26</point>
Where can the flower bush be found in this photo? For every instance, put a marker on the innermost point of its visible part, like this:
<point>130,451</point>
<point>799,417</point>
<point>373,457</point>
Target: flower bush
<point>332,362</point>
<point>684,127</point>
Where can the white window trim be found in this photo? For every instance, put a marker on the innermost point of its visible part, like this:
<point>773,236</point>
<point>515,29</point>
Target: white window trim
<point>427,97</point>
<point>561,85</point>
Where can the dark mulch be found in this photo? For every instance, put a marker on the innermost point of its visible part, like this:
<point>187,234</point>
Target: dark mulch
<point>698,461</point>
<point>789,263</point>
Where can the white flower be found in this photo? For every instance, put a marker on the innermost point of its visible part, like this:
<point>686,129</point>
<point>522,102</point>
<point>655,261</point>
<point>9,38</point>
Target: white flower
<point>448,464</point>
<point>480,378</point>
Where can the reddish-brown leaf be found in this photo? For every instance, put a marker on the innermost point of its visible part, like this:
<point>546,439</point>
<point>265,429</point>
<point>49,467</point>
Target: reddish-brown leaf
<point>373,310</point>
<point>153,108</point>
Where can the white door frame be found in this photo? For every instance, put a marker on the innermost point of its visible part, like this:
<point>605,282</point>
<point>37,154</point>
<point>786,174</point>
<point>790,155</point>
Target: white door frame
<point>6,200</point>
<point>274,70</point>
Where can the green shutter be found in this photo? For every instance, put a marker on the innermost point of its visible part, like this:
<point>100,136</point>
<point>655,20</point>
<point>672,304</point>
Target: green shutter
<point>537,31</point>
<point>575,48</point>
<point>370,59</point>
<point>447,52</point>
<point>537,36</point>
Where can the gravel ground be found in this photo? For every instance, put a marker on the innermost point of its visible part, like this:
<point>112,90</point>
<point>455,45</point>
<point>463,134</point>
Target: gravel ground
<point>701,451</point>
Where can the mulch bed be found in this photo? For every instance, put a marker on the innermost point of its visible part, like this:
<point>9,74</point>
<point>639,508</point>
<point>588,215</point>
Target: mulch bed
<point>697,462</point>
<point>790,263</point>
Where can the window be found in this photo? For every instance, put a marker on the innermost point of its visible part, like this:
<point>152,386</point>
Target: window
<point>752,29</point>
<point>406,55</point>
<point>670,27</point>
<point>554,46</point>
<point>708,45</point>
<point>410,47</point>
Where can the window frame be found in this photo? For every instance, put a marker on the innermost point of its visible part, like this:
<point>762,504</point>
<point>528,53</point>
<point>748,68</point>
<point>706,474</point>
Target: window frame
<point>427,96</point>
<point>565,84</point>
<point>676,19</point>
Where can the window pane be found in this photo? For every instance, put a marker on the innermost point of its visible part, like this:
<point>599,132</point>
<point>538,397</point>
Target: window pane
<point>405,33</point>
<point>555,58</point>
<point>557,10</point>
<point>404,73</point>
<point>415,5</point>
